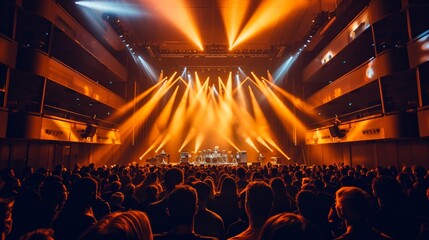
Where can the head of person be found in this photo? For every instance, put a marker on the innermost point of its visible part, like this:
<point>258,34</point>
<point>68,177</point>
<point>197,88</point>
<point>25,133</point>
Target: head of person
<point>203,191</point>
<point>387,190</point>
<point>258,201</point>
<point>129,225</point>
<point>54,193</point>
<point>182,205</point>
<point>172,177</point>
<point>287,226</point>
<point>228,186</point>
<point>117,199</point>
<point>84,192</point>
<point>278,186</point>
<point>353,205</point>
<point>39,234</point>
<point>307,203</point>
<point>6,205</point>
<point>241,173</point>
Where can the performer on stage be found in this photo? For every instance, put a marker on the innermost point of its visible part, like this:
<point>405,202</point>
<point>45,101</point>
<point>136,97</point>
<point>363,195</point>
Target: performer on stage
<point>163,156</point>
<point>261,158</point>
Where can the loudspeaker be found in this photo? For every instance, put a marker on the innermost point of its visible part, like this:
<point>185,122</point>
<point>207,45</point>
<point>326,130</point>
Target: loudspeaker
<point>335,131</point>
<point>184,157</point>
<point>90,131</point>
<point>242,157</point>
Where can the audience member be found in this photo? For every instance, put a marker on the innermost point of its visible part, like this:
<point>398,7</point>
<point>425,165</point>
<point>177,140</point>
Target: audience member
<point>182,207</point>
<point>39,234</point>
<point>226,202</point>
<point>76,215</point>
<point>354,206</point>
<point>26,210</point>
<point>130,225</point>
<point>241,179</point>
<point>207,222</point>
<point>156,211</point>
<point>6,205</point>
<point>288,226</point>
<point>116,201</point>
<point>258,204</point>
<point>54,194</point>
<point>129,201</point>
<point>282,201</point>
<point>391,216</point>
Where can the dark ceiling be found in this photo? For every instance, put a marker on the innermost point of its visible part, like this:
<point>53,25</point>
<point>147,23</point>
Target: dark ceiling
<point>162,24</point>
<point>160,36</point>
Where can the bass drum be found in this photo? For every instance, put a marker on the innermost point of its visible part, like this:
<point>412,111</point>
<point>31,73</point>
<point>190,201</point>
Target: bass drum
<point>215,160</point>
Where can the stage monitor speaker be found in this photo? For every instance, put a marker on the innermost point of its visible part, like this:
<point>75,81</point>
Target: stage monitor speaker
<point>90,131</point>
<point>184,157</point>
<point>242,157</point>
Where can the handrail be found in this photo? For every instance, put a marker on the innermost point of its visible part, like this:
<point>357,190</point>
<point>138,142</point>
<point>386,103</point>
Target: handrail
<point>329,120</point>
<point>82,115</point>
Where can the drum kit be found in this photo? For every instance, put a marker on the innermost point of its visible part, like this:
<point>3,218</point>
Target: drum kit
<point>214,157</point>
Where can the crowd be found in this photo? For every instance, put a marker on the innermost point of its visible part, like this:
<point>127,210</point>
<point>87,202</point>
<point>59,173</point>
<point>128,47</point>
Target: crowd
<point>215,202</point>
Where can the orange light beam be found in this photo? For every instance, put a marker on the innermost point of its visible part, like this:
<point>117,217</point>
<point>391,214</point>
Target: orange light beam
<point>131,103</point>
<point>281,110</point>
<point>192,133</point>
<point>164,141</point>
<point>249,141</point>
<point>294,100</point>
<point>179,14</point>
<point>143,113</point>
<point>233,13</point>
<point>161,121</point>
<point>263,142</point>
<point>267,13</point>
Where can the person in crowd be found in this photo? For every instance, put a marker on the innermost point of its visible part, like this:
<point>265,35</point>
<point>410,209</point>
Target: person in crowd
<point>12,184</point>
<point>39,234</point>
<point>211,201</point>
<point>115,187</point>
<point>182,208</point>
<point>354,206</point>
<point>226,202</point>
<point>391,217</point>
<point>419,202</point>
<point>151,195</point>
<point>159,220</point>
<point>242,223</point>
<point>290,189</point>
<point>207,222</point>
<point>26,209</point>
<point>54,194</point>
<point>129,225</point>
<point>258,204</point>
<point>129,201</point>
<point>101,207</point>
<point>116,201</point>
<point>241,179</point>
<point>76,215</point>
<point>6,205</point>
<point>282,201</point>
<point>310,208</point>
<point>288,226</point>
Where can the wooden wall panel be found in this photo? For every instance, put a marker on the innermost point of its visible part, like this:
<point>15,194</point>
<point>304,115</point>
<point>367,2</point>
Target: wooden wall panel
<point>386,153</point>
<point>363,154</point>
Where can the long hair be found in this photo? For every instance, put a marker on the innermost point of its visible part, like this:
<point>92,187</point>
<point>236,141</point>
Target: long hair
<point>130,225</point>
